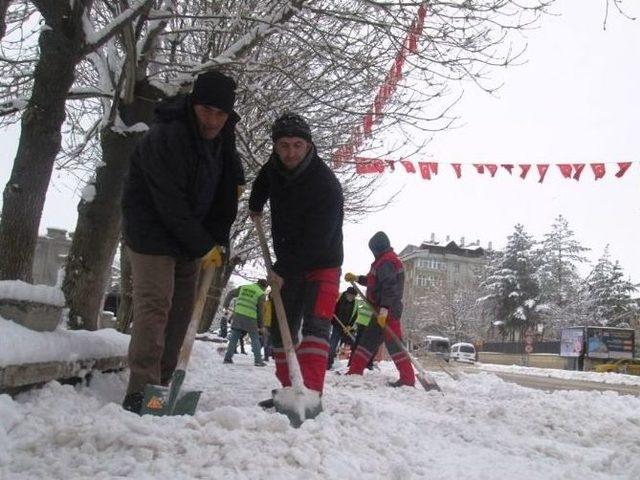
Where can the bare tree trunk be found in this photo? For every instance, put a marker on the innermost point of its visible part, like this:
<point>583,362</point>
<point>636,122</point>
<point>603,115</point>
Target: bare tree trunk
<point>98,229</point>
<point>125,307</point>
<point>4,5</point>
<point>40,139</point>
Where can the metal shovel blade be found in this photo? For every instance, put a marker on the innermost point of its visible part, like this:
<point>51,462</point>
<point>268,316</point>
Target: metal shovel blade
<point>297,406</point>
<point>160,400</point>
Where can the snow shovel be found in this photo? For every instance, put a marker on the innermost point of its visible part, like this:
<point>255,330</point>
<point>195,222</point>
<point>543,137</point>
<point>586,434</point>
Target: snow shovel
<point>296,402</point>
<point>426,380</point>
<point>344,329</point>
<point>160,400</point>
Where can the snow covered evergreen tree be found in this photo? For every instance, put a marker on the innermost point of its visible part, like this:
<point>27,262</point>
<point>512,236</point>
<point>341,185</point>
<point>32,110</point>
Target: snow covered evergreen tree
<point>559,255</point>
<point>511,284</point>
<point>558,258</point>
<point>608,294</point>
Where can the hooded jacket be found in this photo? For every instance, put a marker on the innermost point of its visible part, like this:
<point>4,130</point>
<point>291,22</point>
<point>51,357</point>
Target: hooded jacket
<point>180,196</point>
<point>306,213</point>
<point>385,280</point>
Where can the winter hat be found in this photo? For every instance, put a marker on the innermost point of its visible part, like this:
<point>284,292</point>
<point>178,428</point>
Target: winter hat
<point>290,125</point>
<point>352,291</point>
<point>214,89</point>
<point>379,243</point>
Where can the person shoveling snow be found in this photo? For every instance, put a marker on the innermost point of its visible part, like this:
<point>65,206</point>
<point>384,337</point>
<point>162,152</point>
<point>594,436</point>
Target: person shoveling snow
<point>306,224</point>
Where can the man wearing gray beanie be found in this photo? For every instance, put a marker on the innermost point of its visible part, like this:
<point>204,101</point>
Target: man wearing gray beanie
<point>180,199</point>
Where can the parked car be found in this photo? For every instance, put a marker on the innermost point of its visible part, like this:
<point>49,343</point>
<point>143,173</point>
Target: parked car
<point>438,346</point>
<point>463,352</point>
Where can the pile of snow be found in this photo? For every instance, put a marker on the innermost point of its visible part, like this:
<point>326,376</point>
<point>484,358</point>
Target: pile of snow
<point>20,345</point>
<point>479,427</point>
<point>19,290</point>
<point>609,377</point>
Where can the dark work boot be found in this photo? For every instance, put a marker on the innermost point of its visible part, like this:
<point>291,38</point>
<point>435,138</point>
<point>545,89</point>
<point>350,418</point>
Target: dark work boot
<point>133,402</point>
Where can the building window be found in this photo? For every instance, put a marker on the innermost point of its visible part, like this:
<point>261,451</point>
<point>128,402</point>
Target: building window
<point>428,280</point>
<point>431,264</point>
<point>456,266</point>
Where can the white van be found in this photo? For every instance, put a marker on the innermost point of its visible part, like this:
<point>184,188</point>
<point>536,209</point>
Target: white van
<point>463,352</point>
<point>438,346</point>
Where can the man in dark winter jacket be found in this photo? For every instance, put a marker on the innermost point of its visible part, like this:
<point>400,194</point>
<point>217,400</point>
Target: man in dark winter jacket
<point>346,312</point>
<point>180,199</point>
<point>247,318</point>
<point>306,225</point>
<point>385,286</point>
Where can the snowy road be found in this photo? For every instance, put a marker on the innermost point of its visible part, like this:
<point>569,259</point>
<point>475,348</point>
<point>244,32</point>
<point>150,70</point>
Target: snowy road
<point>480,428</point>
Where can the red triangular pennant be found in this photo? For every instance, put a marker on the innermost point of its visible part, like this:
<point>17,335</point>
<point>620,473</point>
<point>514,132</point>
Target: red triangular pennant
<point>492,168</point>
<point>524,170</point>
<point>577,167</point>
<point>408,166</point>
<point>434,167</point>
<point>457,167</point>
<point>565,169</point>
<point>479,168</point>
<point>392,165</point>
<point>425,171</point>
<point>598,170</point>
<point>542,170</point>
<point>508,167</point>
<point>623,167</point>
<point>367,124</point>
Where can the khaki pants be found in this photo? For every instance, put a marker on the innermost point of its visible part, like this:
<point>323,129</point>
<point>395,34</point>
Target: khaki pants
<point>164,290</point>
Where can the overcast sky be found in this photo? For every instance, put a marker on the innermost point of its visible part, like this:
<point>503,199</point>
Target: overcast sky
<point>575,100</point>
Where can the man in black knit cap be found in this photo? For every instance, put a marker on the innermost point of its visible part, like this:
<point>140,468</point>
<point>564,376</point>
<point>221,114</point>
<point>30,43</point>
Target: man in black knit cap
<point>180,199</point>
<point>306,225</point>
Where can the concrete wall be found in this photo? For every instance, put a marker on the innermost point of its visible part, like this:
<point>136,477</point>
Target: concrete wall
<point>540,360</point>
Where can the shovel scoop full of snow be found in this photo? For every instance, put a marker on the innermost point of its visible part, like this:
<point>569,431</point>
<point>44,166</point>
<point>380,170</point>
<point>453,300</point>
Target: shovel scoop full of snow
<point>297,404</point>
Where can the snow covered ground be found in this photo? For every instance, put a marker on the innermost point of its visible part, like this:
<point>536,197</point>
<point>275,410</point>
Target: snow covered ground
<point>481,428</point>
<point>610,378</point>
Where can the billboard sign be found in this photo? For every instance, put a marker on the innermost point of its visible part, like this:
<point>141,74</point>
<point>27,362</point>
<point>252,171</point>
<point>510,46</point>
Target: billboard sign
<point>572,342</point>
<point>605,342</point>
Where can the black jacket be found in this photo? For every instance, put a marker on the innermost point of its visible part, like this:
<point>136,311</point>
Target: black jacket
<point>180,197</point>
<point>306,214</point>
<point>345,310</point>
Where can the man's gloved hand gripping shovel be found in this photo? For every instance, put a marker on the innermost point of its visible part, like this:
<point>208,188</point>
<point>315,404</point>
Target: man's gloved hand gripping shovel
<point>161,400</point>
<point>296,402</point>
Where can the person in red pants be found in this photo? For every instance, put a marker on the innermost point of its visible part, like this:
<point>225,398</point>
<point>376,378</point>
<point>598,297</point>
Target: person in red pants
<point>385,286</point>
<point>306,203</point>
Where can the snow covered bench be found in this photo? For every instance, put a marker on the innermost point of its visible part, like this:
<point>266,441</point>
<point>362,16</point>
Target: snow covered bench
<point>29,358</point>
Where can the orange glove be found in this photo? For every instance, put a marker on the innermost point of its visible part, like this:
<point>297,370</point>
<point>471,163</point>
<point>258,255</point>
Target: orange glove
<point>213,258</point>
<point>382,317</point>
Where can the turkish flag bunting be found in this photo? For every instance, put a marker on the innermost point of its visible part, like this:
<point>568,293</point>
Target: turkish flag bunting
<point>368,165</point>
<point>598,170</point>
<point>542,170</point>
<point>422,12</point>
<point>425,170</point>
<point>525,169</point>
<point>623,167</point>
<point>457,167</point>
<point>434,167</point>
<point>408,166</point>
<point>508,167</point>
<point>392,165</point>
<point>492,169</point>
<point>479,167</point>
<point>367,124</point>
<point>413,39</point>
<point>565,169</point>
<point>577,167</point>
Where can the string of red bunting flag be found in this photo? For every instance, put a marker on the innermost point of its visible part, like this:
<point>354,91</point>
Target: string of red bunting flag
<point>347,152</point>
<point>429,169</point>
